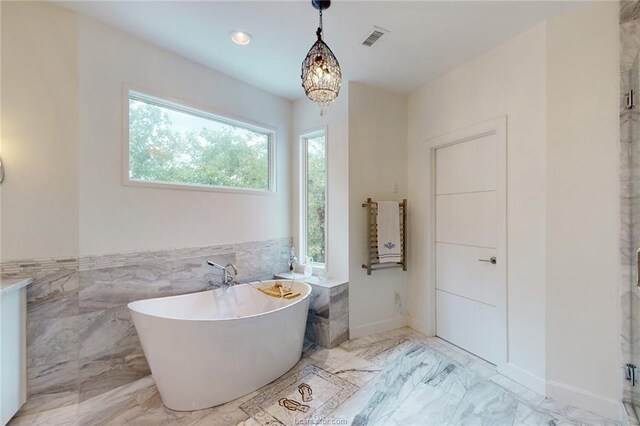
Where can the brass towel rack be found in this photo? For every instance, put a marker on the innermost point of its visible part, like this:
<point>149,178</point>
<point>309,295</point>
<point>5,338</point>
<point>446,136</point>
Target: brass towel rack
<point>373,263</point>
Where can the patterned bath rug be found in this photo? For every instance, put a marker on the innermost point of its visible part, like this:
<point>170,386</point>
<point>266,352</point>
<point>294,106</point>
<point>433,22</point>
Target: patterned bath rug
<point>282,402</point>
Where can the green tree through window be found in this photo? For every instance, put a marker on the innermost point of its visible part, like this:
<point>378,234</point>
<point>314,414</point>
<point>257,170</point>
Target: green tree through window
<point>167,145</point>
<point>315,197</point>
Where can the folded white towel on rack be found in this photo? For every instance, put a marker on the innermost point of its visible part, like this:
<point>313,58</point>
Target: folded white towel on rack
<point>389,247</point>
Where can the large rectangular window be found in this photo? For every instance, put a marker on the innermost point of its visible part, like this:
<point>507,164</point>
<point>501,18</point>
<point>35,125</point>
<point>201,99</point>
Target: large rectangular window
<point>313,199</point>
<point>177,145</point>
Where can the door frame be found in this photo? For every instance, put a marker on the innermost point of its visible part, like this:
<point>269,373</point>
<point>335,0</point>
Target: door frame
<point>497,127</point>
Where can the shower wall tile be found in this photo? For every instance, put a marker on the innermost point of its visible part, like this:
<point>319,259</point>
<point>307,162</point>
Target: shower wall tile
<point>629,11</point>
<point>626,319</point>
<point>625,79</point>
<point>629,44</point>
<point>81,340</point>
<point>630,189</point>
<point>626,158</point>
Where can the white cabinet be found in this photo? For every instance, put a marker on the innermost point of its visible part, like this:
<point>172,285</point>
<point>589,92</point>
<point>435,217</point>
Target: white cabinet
<point>13,347</point>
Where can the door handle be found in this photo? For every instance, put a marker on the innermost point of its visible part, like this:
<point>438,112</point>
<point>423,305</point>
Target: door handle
<point>491,260</point>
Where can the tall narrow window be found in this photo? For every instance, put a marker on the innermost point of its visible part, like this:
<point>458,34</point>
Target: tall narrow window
<point>313,199</point>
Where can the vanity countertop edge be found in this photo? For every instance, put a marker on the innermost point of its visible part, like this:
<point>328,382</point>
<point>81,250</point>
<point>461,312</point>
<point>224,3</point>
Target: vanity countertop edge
<point>9,285</point>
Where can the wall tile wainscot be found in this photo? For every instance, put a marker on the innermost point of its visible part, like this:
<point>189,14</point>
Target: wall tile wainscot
<point>81,341</point>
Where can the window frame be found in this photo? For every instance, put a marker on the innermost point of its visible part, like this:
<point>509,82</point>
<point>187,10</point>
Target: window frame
<point>164,101</point>
<point>318,268</point>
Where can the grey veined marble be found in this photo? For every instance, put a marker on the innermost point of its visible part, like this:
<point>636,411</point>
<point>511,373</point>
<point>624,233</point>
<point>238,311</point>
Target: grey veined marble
<point>328,319</point>
<point>394,378</point>
<point>81,341</point>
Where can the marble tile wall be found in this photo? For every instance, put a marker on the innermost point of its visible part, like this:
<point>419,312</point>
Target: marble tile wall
<point>328,319</point>
<point>81,341</point>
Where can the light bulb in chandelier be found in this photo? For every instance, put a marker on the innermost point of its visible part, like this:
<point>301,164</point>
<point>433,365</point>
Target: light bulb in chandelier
<point>321,73</point>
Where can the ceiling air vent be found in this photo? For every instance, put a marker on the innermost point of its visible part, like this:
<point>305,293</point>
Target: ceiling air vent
<point>373,36</point>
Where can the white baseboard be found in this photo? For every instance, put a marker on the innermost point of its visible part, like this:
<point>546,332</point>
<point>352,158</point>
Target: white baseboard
<point>597,404</point>
<point>377,327</point>
<point>418,326</point>
<point>525,378</point>
<point>564,394</point>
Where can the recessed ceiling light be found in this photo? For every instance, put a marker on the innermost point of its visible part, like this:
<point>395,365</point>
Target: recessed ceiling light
<point>240,37</point>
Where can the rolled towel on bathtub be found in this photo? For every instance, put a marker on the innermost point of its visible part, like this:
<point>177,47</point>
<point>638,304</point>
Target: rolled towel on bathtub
<point>277,290</point>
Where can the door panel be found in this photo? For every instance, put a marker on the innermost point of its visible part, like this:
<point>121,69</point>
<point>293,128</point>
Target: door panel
<point>466,167</point>
<point>469,219</point>
<point>459,271</point>
<point>468,324</point>
<point>470,224</point>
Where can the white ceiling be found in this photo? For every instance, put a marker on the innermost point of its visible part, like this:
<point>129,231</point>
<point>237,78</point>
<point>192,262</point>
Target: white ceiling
<point>426,39</point>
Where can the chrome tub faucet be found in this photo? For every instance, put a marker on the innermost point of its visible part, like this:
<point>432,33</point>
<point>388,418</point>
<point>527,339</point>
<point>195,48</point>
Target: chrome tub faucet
<point>229,279</point>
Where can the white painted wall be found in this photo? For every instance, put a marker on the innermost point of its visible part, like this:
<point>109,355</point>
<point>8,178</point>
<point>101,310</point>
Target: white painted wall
<point>509,80</point>
<point>39,131</point>
<point>306,116</point>
<point>377,160</point>
<point>582,326</point>
<point>366,130</point>
<point>558,86</point>
<point>63,78</point>
<point>116,218</point>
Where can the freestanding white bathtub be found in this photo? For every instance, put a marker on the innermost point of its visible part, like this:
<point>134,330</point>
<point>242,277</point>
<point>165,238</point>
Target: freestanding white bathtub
<point>208,348</point>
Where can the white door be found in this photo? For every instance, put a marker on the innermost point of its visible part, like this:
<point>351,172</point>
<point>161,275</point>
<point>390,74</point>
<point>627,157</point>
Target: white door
<point>470,235</point>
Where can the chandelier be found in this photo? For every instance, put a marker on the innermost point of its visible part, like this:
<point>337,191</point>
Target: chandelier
<point>321,74</point>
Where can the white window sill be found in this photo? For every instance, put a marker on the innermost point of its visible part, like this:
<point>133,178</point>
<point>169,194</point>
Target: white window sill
<point>326,282</point>
<point>195,187</point>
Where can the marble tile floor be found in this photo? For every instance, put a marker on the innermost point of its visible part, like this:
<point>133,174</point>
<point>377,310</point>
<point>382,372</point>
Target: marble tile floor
<point>395,378</point>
